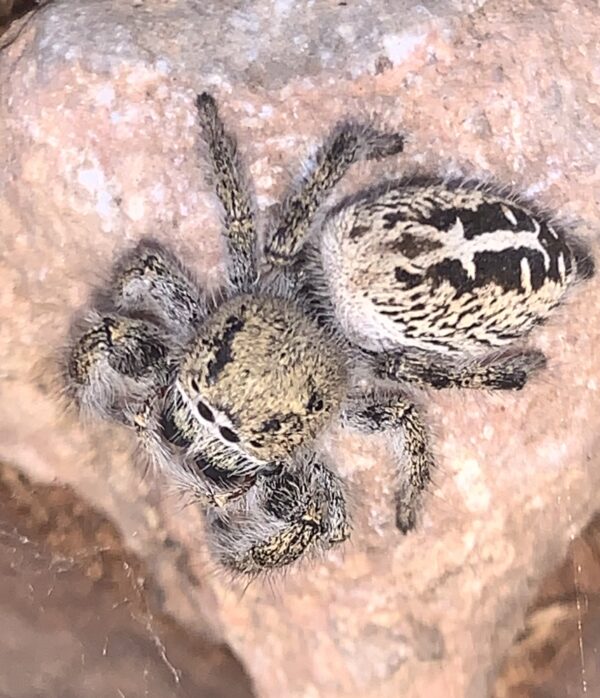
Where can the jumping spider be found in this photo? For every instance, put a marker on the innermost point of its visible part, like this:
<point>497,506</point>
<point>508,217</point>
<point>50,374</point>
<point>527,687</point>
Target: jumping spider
<point>418,282</point>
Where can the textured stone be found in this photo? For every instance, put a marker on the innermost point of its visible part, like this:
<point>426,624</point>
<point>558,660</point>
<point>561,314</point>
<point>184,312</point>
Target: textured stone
<point>98,136</point>
<point>557,651</point>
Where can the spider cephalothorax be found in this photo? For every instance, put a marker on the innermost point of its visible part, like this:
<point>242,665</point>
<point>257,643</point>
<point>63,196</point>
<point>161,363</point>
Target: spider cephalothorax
<point>266,368</point>
<point>416,281</point>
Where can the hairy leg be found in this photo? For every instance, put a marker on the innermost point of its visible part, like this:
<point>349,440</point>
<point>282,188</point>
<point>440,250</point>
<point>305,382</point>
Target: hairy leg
<point>348,143</point>
<point>232,191</point>
<point>501,372</point>
<point>116,362</point>
<point>285,517</point>
<point>150,281</point>
<point>399,418</point>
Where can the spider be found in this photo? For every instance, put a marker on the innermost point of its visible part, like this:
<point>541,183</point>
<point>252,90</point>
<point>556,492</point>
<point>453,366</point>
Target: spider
<point>417,281</point>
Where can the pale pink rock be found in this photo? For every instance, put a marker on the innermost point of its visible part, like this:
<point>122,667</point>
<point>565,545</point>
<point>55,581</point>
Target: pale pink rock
<point>99,147</point>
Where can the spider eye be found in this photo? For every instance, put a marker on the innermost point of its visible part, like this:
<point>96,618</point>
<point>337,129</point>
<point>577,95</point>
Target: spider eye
<point>315,403</point>
<point>195,386</point>
<point>204,411</point>
<point>229,435</point>
<point>271,425</point>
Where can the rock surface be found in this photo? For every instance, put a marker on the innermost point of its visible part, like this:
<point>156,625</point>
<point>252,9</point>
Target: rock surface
<point>99,147</point>
<point>556,655</point>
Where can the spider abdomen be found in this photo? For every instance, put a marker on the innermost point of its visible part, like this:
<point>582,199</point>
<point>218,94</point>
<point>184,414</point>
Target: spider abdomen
<point>443,268</point>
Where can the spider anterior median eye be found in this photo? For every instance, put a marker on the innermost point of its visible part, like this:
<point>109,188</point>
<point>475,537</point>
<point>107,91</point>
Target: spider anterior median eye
<point>229,435</point>
<point>204,411</point>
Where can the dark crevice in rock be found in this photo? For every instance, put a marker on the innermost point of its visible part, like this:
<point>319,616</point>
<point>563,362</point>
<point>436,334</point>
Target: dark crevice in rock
<point>80,613</point>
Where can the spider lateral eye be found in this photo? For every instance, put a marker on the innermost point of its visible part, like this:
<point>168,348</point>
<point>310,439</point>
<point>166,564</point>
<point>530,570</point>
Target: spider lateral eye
<point>229,435</point>
<point>272,425</point>
<point>204,411</point>
<point>315,403</point>
<point>194,384</point>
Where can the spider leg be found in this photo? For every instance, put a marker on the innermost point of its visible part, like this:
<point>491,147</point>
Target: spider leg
<point>398,417</point>
<point>116,362</point>
<point>502,372</point>
<point>348,143</point>
<point>125,354</point>
<point>209,473</point>
<point>232,190</point>
<point>149,281</point>
<point>298,509</point>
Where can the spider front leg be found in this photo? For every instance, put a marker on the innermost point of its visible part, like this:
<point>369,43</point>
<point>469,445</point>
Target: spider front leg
<point>398,417</point>
<point>286,516</point>
<point>428,369</point>
<point>122,357</point>
<point>348,143</point>
<point>116,362</point>
<point>232,190</point>
<point>150,281</point>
